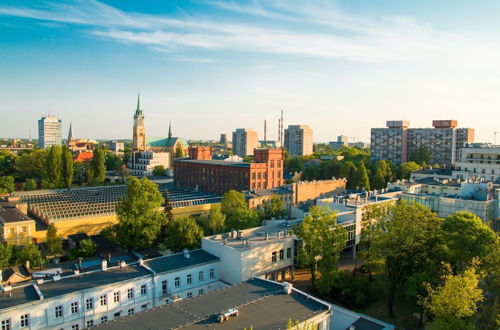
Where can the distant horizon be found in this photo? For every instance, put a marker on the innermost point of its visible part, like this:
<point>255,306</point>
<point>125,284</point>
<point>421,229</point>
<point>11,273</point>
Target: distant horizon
<point>211,66</point>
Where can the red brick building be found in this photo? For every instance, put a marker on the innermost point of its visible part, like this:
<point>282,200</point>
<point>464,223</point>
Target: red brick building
<point>218,176</point>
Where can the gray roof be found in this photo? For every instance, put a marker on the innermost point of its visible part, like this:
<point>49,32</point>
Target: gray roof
<point>213,162</point>
<point>267,192</point>
<point>179,261</point>
<point>18,296</point>
<point>10,213</point>
<point>260,303</point>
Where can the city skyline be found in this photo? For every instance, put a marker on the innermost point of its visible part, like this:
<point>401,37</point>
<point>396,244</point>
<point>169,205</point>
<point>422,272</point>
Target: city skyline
<point>211,66</point>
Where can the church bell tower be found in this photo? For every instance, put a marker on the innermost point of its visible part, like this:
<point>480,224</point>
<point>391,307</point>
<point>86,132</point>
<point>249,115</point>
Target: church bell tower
<point>139,134</point>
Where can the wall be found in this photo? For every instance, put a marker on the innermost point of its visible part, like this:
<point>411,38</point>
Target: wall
<point>310,190</point>
<point>230,259</point>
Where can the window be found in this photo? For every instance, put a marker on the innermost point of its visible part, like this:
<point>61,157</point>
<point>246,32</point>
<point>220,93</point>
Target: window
<point>144,307</point>
<point>117,314</point>
<point>130,293</point>
<point>104,300</point>
<point>143,290</point>
<point>200,276</point>
<point>130,311</point>
<point>200,292</point>
<point>212,273</point>
<point>164,287</point>
<point>24,229</point>
<point>273,257</point>
<point>75,327</point>
<point>90,323</point>
<point>104,319</point>
<point>58,311</point>
<point>25,320</point>
<point>189,279</point>
<point>177,282</point>
<point>189,295</point>
<point>116,296</point>
<point>74,307</point>
<point>282,254</point>
<point>6,324</point>
<point>89,303</point>
<point>289,253</point>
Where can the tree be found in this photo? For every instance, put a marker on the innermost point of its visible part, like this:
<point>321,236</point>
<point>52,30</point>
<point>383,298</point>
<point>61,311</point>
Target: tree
<point>67,167</point>
<point>29,252</point>
<point>159,170</point>
<point>86,248</point>
<point>215,222</point>
<point>6,184</point>
<point>454,302</point>
<point>382,174</point>
<point>5,254</point>
<point>348,171</point>
<point>54,242</point>
<point>238,215</point>
<point>421,156</point>
<point>98,166</point>
<point>295,165</point>
<point>140,220</point>
<point>360,179</point>
<point>29,184</point>
<point>274,207</point>
<point>310,173</point>
<point>404,239</point>
<point>7,163</point>
<point>113,162</point>
<point>179,153</point>
<point>467,237</point>
<point>184,233</point>
<point>322,241</point>
<point>53,168</point>
<point>407,168</point>
<point>31,164</point>
<point>231,202</point>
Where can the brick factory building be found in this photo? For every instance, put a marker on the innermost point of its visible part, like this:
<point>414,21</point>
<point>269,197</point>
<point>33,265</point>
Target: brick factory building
<point>217,176</point>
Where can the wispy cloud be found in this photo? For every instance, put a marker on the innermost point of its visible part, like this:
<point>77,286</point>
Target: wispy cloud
<point>339,34</point>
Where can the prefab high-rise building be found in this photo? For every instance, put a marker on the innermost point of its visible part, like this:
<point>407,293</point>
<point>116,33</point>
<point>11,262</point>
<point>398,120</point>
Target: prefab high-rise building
<point>299,140</point>
<point>245,140</point>
<point>49,131</point>
<point>397,142</point>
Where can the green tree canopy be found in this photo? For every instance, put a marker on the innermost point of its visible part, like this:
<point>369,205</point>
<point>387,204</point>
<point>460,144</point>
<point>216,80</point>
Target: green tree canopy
<point>295,165</point>
<point>215,222</point>
<point>184,233</point>
<point>6,184</point>
<point>140,221</point>
<point>383,173</point>
<point>113,162</point>
<point>361,180</point>
<point>272,208</point>
<point>67,167</point>
<point>31,164</point>
<point>348,171</point>
<point>54,242</point>
<point>86,248</point>
<point>421,156</point>
<point>407,168</point>
<point>5,254</point>
<point>7,163</point>
<point>29,252</point>
<point>159,170</point>
<point>29,184</point>
<point>467,237</point>
<point>179,153</point>
<point>404,239</point>
<point>454,302</point>
<point>98,165</point>
<point>322,241</point>
<point>53,168</point>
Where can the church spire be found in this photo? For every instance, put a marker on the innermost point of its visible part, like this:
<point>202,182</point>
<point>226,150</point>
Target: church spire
<point>138,111</point>
<point>70,134</point>
<point>169,130</point>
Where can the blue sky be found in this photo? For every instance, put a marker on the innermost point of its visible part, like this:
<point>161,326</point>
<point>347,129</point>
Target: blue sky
<point>212,66</point>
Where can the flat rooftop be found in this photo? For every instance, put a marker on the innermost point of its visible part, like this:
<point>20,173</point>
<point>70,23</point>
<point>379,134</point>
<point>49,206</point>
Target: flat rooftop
<point>260,303</point>
<point>178,261</point>
<point>214,162</point>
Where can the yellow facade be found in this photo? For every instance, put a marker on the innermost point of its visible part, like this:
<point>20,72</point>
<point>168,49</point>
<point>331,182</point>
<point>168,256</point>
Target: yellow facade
<point>18,232</point>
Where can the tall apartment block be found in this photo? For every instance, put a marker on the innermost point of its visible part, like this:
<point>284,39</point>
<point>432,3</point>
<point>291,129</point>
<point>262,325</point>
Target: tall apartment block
<point>397,142</point>
<point>49,131</point>
<point>244,142</point>
<point>299,140</point>
<point>390,143</point>
<point>478,161</point>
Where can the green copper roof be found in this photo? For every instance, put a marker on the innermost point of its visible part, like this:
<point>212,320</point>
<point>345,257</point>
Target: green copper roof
<point>165,141</point>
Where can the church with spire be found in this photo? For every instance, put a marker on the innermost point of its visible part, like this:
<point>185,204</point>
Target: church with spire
<point>152,151</point>
<point>79,145</point>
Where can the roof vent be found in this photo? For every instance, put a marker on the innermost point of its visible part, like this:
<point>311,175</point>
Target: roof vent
<point>287,287</point>
<point>40,281</point>
<point>104,264</point>
<point>186,253</point>
<point>55,278</point>
<point>123,264</point>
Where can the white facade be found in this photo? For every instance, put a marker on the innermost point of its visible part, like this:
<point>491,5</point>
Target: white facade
<point>478,161</point>
<point>144,162</point>
<point>94,303</point>
<point>253,254</point>
<point>49,131</point>
<point>299,140</point>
